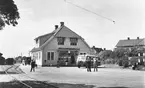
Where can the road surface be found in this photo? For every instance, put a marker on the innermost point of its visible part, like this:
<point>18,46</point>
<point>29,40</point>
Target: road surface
<point>105,77</point>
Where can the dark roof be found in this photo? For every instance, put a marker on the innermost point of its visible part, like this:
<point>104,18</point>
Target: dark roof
<point>131,42</point>
<point>97,49</point>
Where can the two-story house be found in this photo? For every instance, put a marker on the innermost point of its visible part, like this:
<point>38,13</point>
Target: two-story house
<point>133,45</point>
<point>130,44</point>
<point>62,44</point>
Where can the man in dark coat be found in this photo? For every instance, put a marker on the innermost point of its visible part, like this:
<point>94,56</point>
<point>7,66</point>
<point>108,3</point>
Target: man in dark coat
<point>86,63</point>
<point>89,64</point>
<point>33,66</point>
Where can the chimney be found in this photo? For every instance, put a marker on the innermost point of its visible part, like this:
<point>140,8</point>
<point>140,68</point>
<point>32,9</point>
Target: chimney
<point>128,38</point>
<point>61,23</point>
<point>137,37</point>
<point>56,26</point>
<point>104,48</point>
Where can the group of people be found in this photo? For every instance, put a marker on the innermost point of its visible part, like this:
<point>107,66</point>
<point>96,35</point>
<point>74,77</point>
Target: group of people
<point>89,64</point>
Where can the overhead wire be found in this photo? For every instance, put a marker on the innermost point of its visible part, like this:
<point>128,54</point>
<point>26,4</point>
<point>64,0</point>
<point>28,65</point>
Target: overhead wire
<point>89,11</point>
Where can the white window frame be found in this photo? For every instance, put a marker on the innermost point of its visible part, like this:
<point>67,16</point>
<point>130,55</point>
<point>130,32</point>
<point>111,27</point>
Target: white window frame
<point>50,55</point>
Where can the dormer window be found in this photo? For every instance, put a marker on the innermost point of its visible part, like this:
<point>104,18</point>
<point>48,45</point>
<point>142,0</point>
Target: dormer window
<point>73,41</point>
<point>60,40</point>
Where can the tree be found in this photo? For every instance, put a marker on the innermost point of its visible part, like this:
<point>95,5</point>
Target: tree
<point>8,13</point>
<point>105,54</point>
<point>121,53</point>
<point>2,59</point>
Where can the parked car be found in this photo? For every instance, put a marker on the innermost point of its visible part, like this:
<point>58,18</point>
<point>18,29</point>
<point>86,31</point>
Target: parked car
<point>81,60</point>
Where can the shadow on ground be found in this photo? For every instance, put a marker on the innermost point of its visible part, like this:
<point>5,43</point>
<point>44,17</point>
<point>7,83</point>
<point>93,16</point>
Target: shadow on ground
<point>2,72</point>
<point>41,84</point>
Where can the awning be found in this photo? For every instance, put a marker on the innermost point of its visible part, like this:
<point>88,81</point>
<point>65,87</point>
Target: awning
<point>68,49</point>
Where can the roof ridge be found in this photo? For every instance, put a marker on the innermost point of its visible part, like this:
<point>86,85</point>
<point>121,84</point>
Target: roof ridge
<point>57,30</point>
<point>131,42</point>
<point>133,39</point>
<point>43,35</point>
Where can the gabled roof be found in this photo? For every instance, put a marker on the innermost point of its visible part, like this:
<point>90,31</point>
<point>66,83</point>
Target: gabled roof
<point>52,35</point>
<point>35,49</point>
<point>56,31</point>
<point>131,42</point>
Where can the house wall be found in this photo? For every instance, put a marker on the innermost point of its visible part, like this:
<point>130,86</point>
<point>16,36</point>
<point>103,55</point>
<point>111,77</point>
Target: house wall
<point>37,56</point>
<point>53,46</point>
<point>38,43</point>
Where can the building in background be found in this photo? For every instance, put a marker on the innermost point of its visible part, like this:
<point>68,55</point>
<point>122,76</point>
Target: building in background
<point>96,50</point>
<point>134,49</point>
<point>131,43</point>
<point>62,44</point>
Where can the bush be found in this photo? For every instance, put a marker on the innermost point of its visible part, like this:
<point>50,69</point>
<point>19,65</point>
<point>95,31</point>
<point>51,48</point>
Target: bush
<point>125,63</point>
<point>120,63</point>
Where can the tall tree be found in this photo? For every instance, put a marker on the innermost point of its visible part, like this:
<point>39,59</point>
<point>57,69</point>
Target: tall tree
<point>8,13</point>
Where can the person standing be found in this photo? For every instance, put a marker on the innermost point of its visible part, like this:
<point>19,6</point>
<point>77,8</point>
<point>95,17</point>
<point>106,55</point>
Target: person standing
<point>89,64</point>
<point>95,64</point>
<point>86,63</point>
<point>32,66</point>
<point>58,62</point>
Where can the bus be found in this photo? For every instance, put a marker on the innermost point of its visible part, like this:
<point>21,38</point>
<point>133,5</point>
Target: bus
<point>81,60</point>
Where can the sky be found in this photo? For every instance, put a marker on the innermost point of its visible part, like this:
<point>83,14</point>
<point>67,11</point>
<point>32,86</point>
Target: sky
<point>38,17</point>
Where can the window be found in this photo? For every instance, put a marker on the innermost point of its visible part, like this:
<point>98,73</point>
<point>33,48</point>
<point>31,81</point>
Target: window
<point>50,55</point>
<point>73,41</point>
<point>60,40</point>
<point>82,53</point>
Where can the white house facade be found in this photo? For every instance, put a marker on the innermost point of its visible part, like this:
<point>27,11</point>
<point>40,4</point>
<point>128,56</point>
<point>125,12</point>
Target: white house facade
<point>62,44</point>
